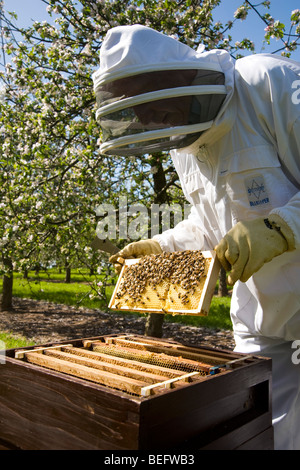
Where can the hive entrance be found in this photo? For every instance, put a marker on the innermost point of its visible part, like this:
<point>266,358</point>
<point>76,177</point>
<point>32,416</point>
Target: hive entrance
<point>139,366</point>
<point>176,283</point>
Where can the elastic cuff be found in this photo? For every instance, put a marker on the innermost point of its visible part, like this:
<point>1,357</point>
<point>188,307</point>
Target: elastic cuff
<point>281,225</point>
<point>163,246</point>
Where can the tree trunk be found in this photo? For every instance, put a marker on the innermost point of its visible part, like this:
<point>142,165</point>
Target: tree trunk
<point>223,289</point>
<point>6,298</point>
<point>68,274</point>
<point>154,325</point>
<point>154,322</point>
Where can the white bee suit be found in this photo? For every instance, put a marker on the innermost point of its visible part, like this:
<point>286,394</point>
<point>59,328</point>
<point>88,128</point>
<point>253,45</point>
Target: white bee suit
<point>237,157</point>
<point>246,166</point>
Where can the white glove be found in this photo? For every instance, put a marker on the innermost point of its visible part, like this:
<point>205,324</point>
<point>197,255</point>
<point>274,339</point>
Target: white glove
<point>251,244</point>
<point>136,250</point>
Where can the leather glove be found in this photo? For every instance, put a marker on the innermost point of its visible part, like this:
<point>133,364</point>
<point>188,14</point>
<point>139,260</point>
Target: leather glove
<point>136,250</point>
<point>251,244</point>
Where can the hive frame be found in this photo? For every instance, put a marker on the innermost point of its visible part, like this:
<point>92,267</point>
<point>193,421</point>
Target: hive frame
<point>206,295</point>
<point>136,375</point>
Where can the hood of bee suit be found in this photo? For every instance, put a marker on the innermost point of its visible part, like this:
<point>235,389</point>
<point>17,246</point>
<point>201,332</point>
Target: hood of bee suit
<point>154,93</point>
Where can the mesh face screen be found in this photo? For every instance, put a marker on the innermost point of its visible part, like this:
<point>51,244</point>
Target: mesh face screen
<point>133,111</point>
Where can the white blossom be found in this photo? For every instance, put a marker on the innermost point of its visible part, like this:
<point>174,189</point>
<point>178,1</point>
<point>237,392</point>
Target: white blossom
<point>2,94</point>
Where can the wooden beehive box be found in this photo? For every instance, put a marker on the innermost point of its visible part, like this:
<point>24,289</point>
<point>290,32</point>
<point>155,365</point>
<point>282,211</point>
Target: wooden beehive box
<point>125,392</point>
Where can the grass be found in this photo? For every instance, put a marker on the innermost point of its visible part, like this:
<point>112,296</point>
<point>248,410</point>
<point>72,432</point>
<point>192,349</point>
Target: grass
<point>75,293</point>
<point>218,316</point>
<point>9,340</point>
<point>50,287</point>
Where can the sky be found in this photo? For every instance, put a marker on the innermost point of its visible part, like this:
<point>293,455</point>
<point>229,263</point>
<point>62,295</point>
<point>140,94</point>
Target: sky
<point>252,27</point>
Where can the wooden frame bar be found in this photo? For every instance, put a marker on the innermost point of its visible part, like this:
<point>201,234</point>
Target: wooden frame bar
<point>115,372</point>
<point>146,391</point>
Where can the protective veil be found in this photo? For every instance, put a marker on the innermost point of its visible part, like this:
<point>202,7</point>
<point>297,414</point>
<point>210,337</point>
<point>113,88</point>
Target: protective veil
<point>143,76</point>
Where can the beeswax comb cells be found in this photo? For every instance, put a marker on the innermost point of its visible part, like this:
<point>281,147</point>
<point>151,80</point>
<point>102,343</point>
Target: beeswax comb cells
<point>180,282</point>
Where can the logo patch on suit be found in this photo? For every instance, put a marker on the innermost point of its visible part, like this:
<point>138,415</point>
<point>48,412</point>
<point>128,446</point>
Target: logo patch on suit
<point>256,191</point>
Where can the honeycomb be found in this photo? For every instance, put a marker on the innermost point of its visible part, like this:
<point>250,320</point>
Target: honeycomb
<point>167,282</point>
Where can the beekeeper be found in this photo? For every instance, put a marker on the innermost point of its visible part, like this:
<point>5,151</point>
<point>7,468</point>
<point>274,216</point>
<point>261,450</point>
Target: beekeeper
<point>233,129</point>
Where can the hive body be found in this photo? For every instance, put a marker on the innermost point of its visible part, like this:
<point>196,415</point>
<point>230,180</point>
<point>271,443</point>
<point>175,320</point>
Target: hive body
<point>134,392</point>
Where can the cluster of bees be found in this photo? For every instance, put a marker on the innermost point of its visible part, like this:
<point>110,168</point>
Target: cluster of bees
<point>176,275</point>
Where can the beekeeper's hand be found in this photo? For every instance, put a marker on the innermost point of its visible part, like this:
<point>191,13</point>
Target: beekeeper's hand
<point>251,244</point>
<point>136,250</point>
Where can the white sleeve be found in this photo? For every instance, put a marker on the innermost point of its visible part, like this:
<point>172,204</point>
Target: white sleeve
<point>186,235</point>
<point>290,213</point>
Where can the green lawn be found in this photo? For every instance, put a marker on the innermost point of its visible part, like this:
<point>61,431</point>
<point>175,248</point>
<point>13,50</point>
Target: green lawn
<point>9,340</point>
<point>75,293</point>
<point>50,287</point>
